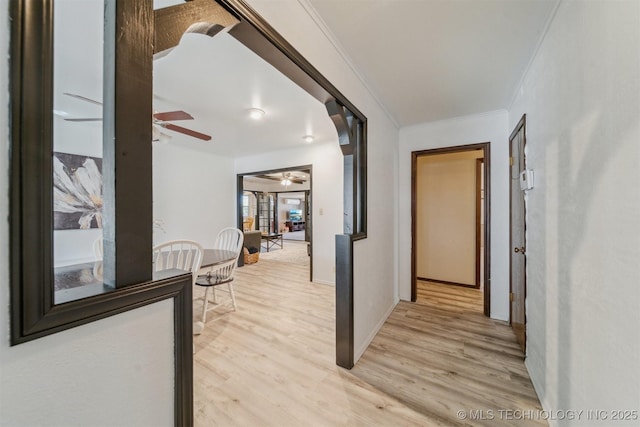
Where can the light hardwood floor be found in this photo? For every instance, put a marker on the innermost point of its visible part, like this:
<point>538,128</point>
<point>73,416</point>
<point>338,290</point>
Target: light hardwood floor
<point>271,363</point>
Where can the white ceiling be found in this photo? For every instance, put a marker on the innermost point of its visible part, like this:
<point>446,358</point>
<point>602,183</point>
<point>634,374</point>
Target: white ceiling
<point>428,60</point>
<point>216,80</point>
<point>425,60</point>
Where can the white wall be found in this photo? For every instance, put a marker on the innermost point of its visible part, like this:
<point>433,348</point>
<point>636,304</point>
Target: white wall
<point>446,196</point>
<point>582,100</point>
<point>116,371</point>
<point>194,192</point>
<point>284,207</point>
<point>489,127</point>
<point>327,190</point>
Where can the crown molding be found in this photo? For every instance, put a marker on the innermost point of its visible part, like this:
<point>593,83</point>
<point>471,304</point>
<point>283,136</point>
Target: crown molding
<point>331,37</point>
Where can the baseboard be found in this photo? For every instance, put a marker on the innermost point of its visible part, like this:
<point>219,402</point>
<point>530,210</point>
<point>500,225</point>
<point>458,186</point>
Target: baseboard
<point>537,387</point>
<point>445,282</point>
<point>358,354</point>
<point>324,282</point>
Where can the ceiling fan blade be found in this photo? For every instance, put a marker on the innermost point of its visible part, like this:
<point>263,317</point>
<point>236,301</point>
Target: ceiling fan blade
<point>172,115</point>
<point>84,98</point>
<point>272,178</point>
<point>185,131</point>
<point>279,179</point>
<point>84,119</point>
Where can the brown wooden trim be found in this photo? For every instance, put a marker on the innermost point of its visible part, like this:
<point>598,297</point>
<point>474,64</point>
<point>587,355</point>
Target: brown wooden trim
<point>240,190</point>
<point>485,147</point>
<point>183,353</point>
<point>487,229</point>
<point>344,312</point>
<point>175,20</point>
<point>451,150</point>
<point>446,282</point>
<point>128,176</point>
<point>31,223</point>
<point>478,219</point>
<point>414,210</point>
<point>239,216</point>
<point>522,125</point>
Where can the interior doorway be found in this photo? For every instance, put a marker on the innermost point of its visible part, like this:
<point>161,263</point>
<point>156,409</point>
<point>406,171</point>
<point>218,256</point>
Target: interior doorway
<point>450,218</point>
<point>517,225</point>
<point>277,203</point>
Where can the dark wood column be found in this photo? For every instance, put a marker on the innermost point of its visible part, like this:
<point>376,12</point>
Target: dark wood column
<point>127,157</point>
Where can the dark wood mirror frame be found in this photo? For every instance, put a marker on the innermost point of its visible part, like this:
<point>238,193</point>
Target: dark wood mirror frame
<point>127,108</point>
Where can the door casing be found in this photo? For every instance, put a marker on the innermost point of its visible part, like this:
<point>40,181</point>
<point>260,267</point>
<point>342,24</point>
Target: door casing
<point>517,236</point>
<point>308,193</point>
<point>485,147</point>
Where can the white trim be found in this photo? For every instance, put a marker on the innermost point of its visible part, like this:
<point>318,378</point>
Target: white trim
<point>323,282</point>
<point>315,16</point>
<point>539,389</point>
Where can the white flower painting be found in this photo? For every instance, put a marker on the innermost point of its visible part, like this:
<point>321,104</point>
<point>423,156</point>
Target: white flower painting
<point>77,192</point>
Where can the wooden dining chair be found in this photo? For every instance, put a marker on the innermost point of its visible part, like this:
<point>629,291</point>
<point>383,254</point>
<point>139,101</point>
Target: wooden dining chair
<point>228,239</point>
<point>180,254</point>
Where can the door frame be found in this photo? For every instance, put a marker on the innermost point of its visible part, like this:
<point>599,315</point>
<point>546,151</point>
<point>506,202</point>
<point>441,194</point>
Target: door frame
<point>240,191</point>
<point>479,198</point>
<point>486,152</point>
<point>522,125</point>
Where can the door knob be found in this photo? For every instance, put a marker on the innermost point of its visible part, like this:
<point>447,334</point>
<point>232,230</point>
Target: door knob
<point>519,250</point>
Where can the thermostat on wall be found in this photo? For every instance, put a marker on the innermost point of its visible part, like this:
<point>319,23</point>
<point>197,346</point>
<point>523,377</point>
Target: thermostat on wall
<point>526,179</point>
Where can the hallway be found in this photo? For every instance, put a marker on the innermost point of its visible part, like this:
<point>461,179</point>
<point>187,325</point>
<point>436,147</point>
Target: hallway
<point>441,355</point>
<point>272,361</point>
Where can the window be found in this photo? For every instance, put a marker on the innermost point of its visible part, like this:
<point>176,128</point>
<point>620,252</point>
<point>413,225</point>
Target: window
<point>245,206</point>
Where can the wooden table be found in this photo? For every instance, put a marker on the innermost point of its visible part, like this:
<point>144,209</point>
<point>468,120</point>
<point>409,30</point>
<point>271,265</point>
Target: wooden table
<point>272,239</point>
<point>211,257</point>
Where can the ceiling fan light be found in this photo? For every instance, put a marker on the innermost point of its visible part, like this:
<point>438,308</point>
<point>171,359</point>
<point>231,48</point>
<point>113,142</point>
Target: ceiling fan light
<point>285,182</point>
<point>256,113</point>
<point>308,138</point>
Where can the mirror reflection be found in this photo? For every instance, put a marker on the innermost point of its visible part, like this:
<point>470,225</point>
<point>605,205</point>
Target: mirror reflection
<point>77,147</point>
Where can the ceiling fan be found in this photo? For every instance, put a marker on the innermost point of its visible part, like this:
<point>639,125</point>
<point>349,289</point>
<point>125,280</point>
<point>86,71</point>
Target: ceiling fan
<point>159,119</point>
<point>286,176</point>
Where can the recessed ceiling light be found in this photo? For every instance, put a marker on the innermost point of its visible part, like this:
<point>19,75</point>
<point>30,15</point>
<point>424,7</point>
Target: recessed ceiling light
<point>308,138</point>
<point>256,113</point>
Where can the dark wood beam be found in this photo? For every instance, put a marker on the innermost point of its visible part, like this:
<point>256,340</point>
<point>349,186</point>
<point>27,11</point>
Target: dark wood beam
<point>172,22</point>
<point>249,36</point>
<point>127,175</point>
<point>344,301</point>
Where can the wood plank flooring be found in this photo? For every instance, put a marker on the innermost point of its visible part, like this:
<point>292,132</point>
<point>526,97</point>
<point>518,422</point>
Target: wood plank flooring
<point>271,363</point>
